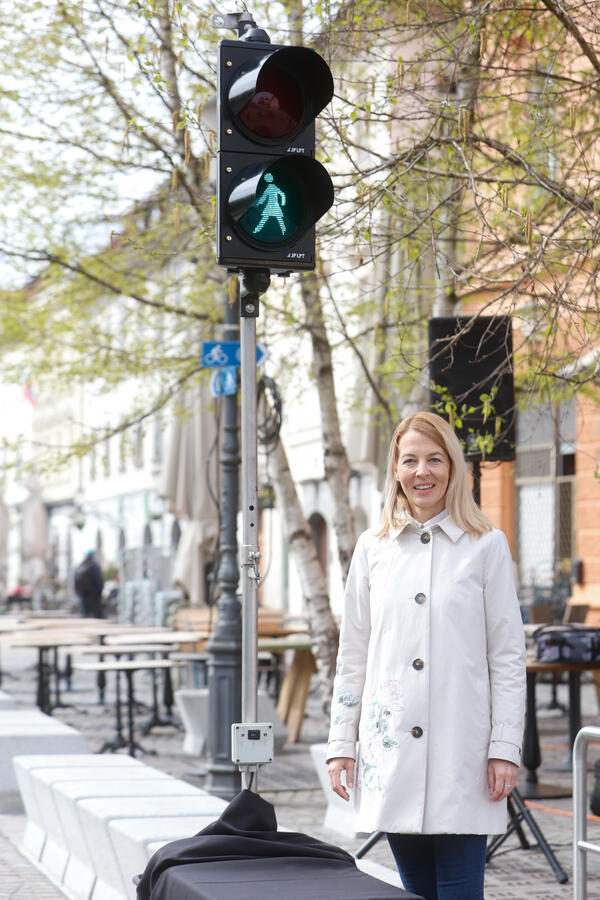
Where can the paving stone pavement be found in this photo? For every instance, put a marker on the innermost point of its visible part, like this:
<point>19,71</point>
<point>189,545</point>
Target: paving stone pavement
<point>291,784</point>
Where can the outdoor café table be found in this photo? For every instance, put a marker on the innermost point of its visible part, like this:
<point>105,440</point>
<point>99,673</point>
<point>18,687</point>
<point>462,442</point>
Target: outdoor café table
<point>102,629</point>
<point>531,789</point>
<point>129,667</point>
<point>46,642</point>
<point>131,651</point>
<point>54,634</point>
<point>161,636</point>
<point>294,689</point>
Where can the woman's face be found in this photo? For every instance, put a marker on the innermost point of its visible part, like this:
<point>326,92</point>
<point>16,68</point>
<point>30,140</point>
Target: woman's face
<point>423,470</point>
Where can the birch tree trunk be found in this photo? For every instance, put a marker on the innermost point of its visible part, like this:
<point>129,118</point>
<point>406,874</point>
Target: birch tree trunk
<point>335,459</point>
<point>322,627</point>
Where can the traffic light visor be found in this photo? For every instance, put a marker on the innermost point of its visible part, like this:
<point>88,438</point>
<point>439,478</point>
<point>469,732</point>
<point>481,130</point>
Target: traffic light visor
<point>281,93</point>
<point>274,203</point>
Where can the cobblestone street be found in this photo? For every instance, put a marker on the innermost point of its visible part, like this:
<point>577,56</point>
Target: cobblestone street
<point>291,784</point>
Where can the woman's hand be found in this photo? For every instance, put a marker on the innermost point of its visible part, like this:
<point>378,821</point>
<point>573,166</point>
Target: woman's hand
<point>335,767</point>
<point>502,777</point>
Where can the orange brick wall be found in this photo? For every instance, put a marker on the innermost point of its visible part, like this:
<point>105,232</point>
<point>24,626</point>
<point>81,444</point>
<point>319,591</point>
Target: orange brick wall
<point>498,497</point>
<point>587,502</point>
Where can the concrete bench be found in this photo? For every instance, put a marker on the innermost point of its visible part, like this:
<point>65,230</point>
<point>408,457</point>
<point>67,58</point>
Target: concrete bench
<point>118,832</point>
<point>56,849</point>
<point>70,809</point>
<point>135,840</point>
<point>192,704</point>
<point>99,820</point>
<point>24,766</point>
<point>24,732</point>
<point>80,873</point>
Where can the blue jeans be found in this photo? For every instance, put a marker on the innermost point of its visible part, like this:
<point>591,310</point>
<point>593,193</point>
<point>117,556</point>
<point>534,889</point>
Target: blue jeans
<point>441,866</point>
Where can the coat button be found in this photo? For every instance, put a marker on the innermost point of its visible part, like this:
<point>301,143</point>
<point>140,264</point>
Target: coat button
<point>417,731</point>
<point>420,599</point>
<point>425,538</point>
<point>418,664</point>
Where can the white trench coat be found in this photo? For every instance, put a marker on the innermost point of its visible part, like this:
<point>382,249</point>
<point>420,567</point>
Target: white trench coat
<point>430,678</point>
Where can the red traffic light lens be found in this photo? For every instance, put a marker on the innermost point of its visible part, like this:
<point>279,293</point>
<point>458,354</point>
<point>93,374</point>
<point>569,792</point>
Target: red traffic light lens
<point>276,107</point>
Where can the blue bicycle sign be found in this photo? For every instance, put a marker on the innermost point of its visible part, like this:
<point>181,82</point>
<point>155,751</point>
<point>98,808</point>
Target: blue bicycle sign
<point>226,354</point>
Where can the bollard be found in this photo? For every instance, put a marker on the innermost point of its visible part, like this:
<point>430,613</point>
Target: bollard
<point>595,798</point>
<point>581,846</point>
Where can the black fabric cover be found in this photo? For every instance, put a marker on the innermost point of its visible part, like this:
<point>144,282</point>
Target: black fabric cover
<point>243,855</point>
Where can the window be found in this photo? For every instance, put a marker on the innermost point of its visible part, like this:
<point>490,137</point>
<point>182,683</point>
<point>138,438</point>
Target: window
<point>545,489</point>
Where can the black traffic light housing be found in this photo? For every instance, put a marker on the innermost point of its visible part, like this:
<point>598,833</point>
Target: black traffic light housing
<point>270,189</point>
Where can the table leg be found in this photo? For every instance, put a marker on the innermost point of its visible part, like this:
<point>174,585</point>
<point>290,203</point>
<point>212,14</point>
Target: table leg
<point>43,700</point>
<point>294,691</point>
<point>56,672</point>
<point>68,670</point>
<point>130,722</point>
<point>131,742</point>
<point>101,677</point>
<point>118,740</point>
<point>156,719</point>
<point>168,695</point>
<point>532,756</point>
<point>566,764</point>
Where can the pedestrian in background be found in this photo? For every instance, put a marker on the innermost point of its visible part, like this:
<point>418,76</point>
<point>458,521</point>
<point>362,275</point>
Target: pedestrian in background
<point>88,587</point>
<point>431,670</point>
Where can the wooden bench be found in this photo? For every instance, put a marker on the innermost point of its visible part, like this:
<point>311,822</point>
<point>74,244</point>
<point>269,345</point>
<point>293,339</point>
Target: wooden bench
<point>271,622</point>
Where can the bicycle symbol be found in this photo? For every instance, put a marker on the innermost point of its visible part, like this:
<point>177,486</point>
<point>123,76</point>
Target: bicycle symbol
<point>216,356</point>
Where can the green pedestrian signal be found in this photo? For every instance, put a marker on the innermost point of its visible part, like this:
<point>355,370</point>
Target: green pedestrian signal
<point>272,200</point>
<point>271,191</point>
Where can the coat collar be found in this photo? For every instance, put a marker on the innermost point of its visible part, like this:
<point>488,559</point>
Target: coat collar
<point>450,528</point>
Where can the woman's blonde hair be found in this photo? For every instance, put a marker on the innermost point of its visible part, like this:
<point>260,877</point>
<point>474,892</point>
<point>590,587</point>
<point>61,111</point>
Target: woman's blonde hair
<point>460,505</point>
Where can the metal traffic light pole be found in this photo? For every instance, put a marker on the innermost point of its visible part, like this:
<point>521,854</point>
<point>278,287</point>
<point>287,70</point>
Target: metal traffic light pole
<point>270,193</point>
<point>254,283</point>
<point>249,754</point>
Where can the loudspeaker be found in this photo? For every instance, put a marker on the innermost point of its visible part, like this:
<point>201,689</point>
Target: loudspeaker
<point>471,382</point>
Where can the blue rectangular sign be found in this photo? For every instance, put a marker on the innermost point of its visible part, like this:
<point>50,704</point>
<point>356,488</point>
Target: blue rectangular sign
<point>223,382</point>
<point>225,354</point>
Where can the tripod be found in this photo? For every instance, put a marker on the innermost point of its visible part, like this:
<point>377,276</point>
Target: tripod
<point>516,816</point>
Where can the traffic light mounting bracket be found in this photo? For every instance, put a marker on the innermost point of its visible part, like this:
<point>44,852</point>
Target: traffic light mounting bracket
<point>254,283</point>
<point>242,22</point>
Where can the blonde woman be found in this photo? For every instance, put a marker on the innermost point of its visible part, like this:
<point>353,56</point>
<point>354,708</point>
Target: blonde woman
<point>431,670</point>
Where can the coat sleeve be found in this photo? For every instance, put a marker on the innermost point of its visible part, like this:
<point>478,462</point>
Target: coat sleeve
<point>352,658</point>
<point>505,637</point>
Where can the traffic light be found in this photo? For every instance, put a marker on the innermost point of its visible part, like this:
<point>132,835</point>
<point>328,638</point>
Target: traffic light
<point>270,188</point>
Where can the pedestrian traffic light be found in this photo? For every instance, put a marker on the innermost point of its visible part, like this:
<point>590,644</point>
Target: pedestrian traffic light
<point>270,189</point>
